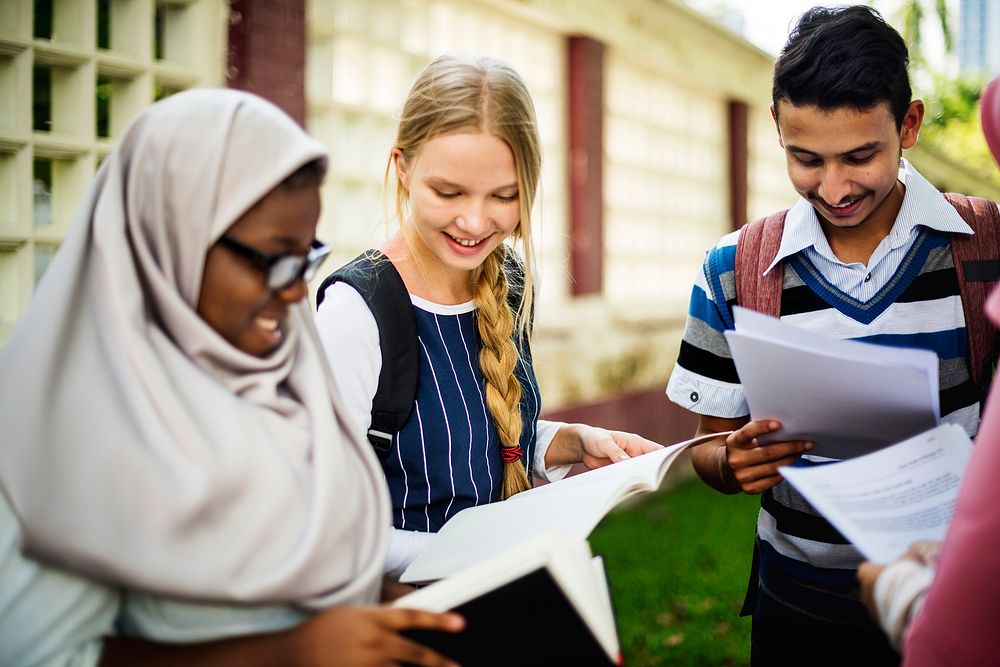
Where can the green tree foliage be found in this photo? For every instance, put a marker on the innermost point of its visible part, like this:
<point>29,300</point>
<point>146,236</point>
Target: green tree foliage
<point>910,22</point>
<point>951,123</point>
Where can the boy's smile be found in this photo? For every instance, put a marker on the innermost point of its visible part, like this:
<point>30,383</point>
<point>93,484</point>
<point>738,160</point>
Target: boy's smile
<point>845,162</point>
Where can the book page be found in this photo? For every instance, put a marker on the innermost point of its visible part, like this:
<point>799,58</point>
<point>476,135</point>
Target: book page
<point>602,595</point>
<point>476,533</point>
<point>640,473</point>
<point>848,397</point>
<point>885,501</point>
<point>586,586</point>
<point>500,568</point>
<point>574,506</point>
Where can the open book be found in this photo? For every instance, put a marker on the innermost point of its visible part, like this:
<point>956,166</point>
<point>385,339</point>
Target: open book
<point>848,397</point>
<point>884,501</point>
<point>550,587</point>
<point>574,505</point>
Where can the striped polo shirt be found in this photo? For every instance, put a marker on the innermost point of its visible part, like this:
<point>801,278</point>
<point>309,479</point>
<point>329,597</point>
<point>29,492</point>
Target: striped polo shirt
<point>447,455</point>
<point>907,296</point>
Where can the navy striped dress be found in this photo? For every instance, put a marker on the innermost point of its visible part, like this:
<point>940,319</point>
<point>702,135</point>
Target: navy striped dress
<point>447,455</point>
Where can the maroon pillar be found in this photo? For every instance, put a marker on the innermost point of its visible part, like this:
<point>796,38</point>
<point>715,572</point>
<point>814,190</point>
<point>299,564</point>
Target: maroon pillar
<point>586,161</point>
<point>737,149</point>
<point>267,51</point>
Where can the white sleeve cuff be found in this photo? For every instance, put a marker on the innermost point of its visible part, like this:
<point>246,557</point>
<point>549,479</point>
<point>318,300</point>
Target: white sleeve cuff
<point>404,547</point>
<point>899,593</point>
<point>545,431</point>
<point>706,397</point>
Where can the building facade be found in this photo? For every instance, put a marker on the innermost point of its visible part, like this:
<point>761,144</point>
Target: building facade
<point>656,133</point>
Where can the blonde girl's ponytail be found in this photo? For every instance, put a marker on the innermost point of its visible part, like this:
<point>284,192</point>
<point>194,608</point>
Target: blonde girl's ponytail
<point>498,357</point>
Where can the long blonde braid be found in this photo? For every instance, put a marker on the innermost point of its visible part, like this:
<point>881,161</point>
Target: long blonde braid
<point>498,357</point>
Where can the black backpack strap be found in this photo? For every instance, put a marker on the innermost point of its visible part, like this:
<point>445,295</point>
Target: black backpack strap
<point>378,282</point>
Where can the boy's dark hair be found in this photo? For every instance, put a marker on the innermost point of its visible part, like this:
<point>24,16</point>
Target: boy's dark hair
<point>843,57</point>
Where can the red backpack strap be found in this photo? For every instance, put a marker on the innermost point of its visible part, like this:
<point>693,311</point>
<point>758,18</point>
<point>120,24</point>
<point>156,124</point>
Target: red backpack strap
<point>755,249</point>
<point>977,263</point>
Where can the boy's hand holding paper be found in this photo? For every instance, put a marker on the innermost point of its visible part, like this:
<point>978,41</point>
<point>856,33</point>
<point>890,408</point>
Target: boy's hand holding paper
<point>847,397</point>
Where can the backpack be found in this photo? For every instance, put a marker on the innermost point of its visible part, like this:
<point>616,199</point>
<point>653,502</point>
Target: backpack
<point>977,263</point>
<point>377,281</point>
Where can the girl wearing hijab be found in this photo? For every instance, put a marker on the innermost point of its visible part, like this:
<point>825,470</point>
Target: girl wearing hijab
<point>170,424</point>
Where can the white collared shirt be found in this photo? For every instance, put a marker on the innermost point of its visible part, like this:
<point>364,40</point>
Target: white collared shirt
<point>922,205</point>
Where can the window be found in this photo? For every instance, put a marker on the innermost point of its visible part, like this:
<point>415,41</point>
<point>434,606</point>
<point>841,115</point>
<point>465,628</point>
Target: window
<point>82,69</point>
<point>104,24</point>
<point>41,192</point>
<point>103,107</point>
<point>41,99</point>
<point>42,23</point>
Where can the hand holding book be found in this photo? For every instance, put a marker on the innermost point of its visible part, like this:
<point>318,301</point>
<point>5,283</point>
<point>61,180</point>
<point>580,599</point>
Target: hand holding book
<point>549,585</point>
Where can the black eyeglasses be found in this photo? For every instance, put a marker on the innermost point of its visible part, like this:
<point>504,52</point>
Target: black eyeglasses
<point>281,270</point>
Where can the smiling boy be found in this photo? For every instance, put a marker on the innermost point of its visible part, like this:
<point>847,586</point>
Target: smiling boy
<point>864,254</point>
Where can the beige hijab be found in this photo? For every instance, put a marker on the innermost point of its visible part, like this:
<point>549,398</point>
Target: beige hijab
<point>136,444</point>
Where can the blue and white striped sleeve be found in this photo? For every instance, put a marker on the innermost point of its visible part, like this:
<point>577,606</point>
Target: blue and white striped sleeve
<point>704,378</point>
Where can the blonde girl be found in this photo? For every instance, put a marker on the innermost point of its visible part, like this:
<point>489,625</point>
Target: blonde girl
<point>465,167</point>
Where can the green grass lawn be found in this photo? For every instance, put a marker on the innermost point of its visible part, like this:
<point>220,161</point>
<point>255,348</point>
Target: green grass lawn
<point>677,562</point>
